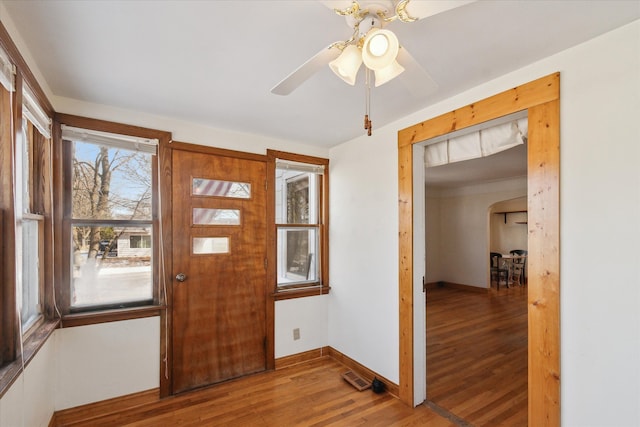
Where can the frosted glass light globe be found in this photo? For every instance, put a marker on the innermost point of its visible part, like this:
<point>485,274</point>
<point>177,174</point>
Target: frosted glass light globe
<point>379,44</point>
<point>380,49</point>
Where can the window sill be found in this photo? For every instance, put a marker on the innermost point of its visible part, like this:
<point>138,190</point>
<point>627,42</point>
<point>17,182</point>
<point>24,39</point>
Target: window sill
<point>32,344</point>
<point>115,315</point>
<point>283,294</point>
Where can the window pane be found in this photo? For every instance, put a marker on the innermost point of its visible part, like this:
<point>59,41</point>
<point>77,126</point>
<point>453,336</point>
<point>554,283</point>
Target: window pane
<point>111,265</point>
<point>30,272</point>
<point>296,197</point>
<point>213,187</point>
<point>297,255</point>
<point>139,242</point>
<point>110,183</point>
<point>203,216</point>
<point>26,169</point>
<point>210,245</point>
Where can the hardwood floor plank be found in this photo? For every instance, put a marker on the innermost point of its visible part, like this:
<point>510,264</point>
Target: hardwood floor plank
<point>311,393</point>
<point>477,354</point>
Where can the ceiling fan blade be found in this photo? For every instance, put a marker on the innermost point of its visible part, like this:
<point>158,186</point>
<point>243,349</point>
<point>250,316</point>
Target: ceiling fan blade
<point>306,70</point>
<point>424,8</point>
<point>336,4</point>
<point>415,78</point>
<point>415,8</point>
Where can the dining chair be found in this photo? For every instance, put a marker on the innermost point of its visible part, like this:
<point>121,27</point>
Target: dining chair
<point>520,263</point>
<point>498,270</point>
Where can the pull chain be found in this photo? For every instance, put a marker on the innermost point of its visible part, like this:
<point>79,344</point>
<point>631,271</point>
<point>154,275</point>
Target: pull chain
<point>367,101</point>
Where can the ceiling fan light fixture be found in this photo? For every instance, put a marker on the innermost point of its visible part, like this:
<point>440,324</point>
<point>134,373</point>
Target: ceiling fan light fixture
<point>380,49</point>
<point>346,65</point>
<point>388,73</point>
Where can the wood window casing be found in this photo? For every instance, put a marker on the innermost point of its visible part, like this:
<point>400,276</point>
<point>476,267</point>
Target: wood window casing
<point>11,361</point>
<point>541,99</point>
<point>62,190</point>
<point>8,319</point>
<point>322,287</point>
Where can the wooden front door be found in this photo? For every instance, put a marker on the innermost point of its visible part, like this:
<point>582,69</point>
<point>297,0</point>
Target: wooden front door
<point>219,253</point>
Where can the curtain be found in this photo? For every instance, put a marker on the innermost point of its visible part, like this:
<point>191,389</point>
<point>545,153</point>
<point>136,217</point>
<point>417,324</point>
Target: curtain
<point>477,144</point>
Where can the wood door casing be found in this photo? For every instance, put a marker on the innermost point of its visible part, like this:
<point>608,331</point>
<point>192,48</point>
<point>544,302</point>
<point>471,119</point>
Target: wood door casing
<point>219,311</point>
<point>541,99</point>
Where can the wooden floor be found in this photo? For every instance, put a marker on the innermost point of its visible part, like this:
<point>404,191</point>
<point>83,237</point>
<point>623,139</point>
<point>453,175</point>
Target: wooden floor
<point>477,354</point>
<point>308,394</point>
<point>476,369</point>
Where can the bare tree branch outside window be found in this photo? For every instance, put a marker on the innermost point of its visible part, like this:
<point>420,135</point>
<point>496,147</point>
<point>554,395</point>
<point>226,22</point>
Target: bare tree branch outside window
<point>94,169</point>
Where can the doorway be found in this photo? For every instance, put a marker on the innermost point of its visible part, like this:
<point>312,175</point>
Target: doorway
<point>219,284</point>
<point>541,100</point>
<point>476,336</point>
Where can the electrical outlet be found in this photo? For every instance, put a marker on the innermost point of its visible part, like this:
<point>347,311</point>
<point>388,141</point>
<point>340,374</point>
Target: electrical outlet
<point>296,334</point>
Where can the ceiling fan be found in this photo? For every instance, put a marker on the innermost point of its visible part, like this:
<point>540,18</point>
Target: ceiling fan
<point>374,46</point>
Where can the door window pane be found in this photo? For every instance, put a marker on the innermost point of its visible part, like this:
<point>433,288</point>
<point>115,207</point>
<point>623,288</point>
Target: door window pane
<point>218,188</point>
<point>210,245</point>
<point>202,216</point>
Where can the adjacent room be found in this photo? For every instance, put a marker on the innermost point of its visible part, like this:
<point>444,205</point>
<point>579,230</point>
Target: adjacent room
<point>319,212</point>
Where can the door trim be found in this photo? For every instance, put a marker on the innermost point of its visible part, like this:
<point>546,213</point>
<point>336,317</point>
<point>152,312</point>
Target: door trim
<point>166,206</point>
<point>542,100</point>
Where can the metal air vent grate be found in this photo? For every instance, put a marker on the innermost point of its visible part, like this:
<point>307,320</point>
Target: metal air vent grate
<point>355,380</point>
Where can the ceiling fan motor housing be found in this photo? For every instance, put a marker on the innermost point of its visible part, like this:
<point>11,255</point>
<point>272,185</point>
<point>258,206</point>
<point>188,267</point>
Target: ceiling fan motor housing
<point>371,20</point>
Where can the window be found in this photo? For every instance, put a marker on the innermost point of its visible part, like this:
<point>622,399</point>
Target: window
<point>301,223</point>
<point>33,203</point>
<point>26,267</point>
<point>110,222</point>
<point>140,242</point>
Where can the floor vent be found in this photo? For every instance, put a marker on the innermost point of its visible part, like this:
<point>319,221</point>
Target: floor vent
<point>355,380</point>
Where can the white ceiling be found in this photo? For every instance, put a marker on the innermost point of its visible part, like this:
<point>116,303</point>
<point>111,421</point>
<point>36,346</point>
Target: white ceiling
<point>506,164</point>
<point>214,62</point>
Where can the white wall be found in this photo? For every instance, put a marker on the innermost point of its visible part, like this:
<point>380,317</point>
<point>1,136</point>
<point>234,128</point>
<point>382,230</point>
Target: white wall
<point>307,314</point>
<point>30,400</point>
<point>432,236</point>
<point>184,131</point>
<point>458,219</point>
<point>510,233</point>
<point>363,304</point>
<point>600,207</point>
<point>463,231</point>
<point>106,360</point>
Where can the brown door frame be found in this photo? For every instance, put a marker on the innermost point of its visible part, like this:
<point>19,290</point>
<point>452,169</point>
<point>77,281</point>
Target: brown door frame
<point>541,99</point>
<point>166,316</point>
